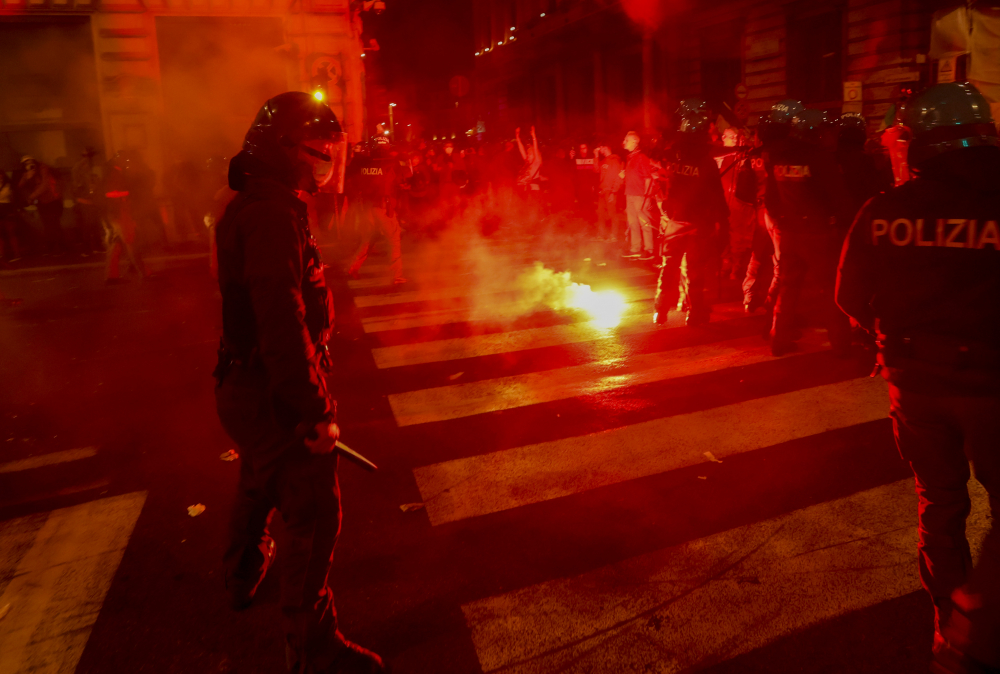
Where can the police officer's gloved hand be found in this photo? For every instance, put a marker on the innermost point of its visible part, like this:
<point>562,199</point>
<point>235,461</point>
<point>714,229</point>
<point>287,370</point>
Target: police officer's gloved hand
<point>322,438</point>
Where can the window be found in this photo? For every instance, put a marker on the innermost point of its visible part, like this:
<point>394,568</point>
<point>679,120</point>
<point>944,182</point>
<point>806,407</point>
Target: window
<point>815,55</point>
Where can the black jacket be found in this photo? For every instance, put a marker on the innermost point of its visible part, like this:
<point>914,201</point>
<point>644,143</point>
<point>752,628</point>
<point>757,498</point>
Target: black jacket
<point>803,184</point>
<point>276,309</point>
<point>694,189</point>
<point>862,177</point>
<point>372,179</point>
<point>921,265</point>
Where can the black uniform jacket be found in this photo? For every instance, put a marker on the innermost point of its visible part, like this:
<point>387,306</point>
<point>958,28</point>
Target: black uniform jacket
<point>862,177</point>
<point>694,189</point>
<point>372,179</point>
<point>276,308</point>
<point>921,265</point>
<point>803,183</point>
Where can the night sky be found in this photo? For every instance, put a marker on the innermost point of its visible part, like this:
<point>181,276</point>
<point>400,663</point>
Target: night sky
<point>423,44</point>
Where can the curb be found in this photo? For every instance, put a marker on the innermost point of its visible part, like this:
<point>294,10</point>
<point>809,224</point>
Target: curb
<point>7,273</point>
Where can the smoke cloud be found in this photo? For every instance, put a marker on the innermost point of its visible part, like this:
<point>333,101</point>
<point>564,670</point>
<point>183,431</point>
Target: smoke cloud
<point>49,104</point>
<point>216,74</point>
<point>517,261</point>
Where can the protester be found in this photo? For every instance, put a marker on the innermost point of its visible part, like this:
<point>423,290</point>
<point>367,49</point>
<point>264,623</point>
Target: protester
<point>120,219</point>
<point>611,181</point>
<point>38,187</point>
<point>528,178</point>
<point>10,247</point>
<point>638,177</point>
<point>87,177</point>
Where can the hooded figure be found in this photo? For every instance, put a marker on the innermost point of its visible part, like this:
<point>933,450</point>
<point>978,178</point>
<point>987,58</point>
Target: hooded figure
<point>272,396</point>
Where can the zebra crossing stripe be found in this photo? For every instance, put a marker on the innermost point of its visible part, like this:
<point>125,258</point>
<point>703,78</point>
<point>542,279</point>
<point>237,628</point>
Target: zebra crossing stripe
<point>455,291</point>
<point>59,585</point>
<point>488,483</point>
<point>424,319</point>
<point>714,598</point>
<point>50,459</point>
<point>532,338</point>
<point>504,393</point>
<point>462,275</point>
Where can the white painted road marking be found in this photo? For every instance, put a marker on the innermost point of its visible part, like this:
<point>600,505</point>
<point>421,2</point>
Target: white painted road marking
<point>460,289</point>
<point>48,459</point>
<point>59,586</point>
<point>504,393</point>
<point>531,338</point>
<point>489,483</point>
<point>715,598</point>
<point>422,319</point>
<point>461,274</point>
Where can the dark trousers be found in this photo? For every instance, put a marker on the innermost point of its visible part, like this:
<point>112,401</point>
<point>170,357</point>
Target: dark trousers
<point>607,214</point>
<point>680,240</point>
<point>372,221</point>
<point>51,216</point>
<point>90,232</point>
<point>10,246</point>
<point>759,280</point>
<point>805,268</point>
<point>939,436</point>
<point>277,472</point>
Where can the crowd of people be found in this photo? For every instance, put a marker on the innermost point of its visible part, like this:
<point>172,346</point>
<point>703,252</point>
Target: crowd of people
<point>46,211</point>
<point>634,194</point>
<point>893,239</point>
<point>819,229</point>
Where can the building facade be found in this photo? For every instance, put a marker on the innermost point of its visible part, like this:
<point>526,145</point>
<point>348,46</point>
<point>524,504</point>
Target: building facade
<point>175,80</point>
<point>590,68</point>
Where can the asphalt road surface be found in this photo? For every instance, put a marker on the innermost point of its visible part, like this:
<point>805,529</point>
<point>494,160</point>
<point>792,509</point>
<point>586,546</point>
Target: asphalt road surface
<point>580,498</point>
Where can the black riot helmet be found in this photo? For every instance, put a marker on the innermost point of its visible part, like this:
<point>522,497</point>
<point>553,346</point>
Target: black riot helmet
<point>946,118</point>
<point>784,111</point>
<point>379,147</point>
<point>768,131</point>
<point>852,130</point>
<point>808,125</point>
<point>283,123</point>
<point>694,116</point>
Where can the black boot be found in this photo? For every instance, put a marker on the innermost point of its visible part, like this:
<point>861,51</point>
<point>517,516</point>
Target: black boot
<point>355,659</point>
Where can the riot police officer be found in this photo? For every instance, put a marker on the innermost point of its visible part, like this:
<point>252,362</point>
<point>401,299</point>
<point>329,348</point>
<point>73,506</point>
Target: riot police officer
<point>921,267</point>
<point>373,186</point>
<point>272,396</point>
<point>862,175</point>
<point>805,201</point>
<point>695,217</point>
<point>759,283</point>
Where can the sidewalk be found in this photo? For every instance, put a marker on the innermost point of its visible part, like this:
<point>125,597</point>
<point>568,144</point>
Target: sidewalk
<point>73,262</point>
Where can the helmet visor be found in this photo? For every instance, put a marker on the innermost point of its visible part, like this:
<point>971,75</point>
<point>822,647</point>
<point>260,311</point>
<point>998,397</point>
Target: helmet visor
<point>328,158</point>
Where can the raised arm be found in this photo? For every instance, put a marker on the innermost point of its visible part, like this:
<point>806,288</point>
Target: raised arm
<point>520,145</point>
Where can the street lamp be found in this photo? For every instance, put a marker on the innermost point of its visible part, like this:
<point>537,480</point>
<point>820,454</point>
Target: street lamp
<point>392,126</point>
